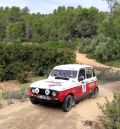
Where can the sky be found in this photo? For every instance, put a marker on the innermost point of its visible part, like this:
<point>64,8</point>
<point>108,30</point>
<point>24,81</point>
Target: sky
<point>47,6</point>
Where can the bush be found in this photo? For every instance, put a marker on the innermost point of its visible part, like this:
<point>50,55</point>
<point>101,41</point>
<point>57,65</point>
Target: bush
<point>22,77</point>
<point>1,74</point>
<point>108,50</point>
<point>102,48</point>
<point>115,63</point>
<point>17,60</point>
<point>84,45</point>
<point>111,113</point>
<point>70,44</point>
<point>88,45</point>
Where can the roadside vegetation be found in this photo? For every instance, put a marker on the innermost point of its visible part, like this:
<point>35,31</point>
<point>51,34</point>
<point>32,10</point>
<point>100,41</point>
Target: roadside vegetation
<point>20,61</point>
<point>20,94</point>
<point>105,46</point>
<point>111,114</point>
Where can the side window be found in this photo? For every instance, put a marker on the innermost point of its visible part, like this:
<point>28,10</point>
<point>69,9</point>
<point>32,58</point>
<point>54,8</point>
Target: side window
<point>81,74</point>
<point>89,73</point>
<point>94,73</point>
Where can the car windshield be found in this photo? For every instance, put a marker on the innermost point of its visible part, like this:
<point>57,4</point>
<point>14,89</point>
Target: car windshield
<point>64,73</point>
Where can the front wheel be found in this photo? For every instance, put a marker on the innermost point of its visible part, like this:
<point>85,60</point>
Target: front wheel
<point>67,104</point>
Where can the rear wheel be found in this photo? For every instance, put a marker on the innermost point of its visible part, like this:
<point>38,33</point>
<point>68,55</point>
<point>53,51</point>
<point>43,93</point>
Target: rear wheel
<point>67,104</point>
<point>95,93</point>
<point>34,101</point>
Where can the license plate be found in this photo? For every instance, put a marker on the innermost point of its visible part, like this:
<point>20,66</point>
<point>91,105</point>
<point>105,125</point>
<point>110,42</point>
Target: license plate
<point>44,97</point>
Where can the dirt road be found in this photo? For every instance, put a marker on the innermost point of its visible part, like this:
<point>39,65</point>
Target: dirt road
<point>82,59</point>
<point>28,116</point>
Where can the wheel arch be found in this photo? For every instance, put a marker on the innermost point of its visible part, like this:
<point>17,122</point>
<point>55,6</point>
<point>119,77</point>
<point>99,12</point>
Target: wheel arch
<point>70,94</point>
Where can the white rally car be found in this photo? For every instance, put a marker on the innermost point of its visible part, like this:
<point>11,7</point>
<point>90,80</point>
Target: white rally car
<point>66,84</point>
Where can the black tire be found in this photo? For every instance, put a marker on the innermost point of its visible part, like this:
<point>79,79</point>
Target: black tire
<point>95,93</point>
<point>34,101</point>
<point>67,103</point>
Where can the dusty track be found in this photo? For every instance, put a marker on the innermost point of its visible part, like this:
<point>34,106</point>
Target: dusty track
<point>28,116</point>
<point>82,59</point>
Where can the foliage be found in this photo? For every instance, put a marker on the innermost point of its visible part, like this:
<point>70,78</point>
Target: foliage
<point>109,50</point>
<point>87,45</point>
<point>85,25</point>
<point>17,60</point>
<point>115,63</point>
<point>100,47</point>
<point>15,32</point>
<point>19,25</point>
<point>111,113</point>
<point>105,47</point>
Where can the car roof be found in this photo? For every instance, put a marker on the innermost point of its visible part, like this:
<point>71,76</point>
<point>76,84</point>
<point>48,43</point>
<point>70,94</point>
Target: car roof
<point>72,66</point>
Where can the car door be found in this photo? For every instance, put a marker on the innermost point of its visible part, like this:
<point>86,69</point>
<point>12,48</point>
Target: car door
<point>82,82</point>
<point>90,79</point>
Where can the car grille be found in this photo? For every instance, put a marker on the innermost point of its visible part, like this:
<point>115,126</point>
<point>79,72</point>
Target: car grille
<point>42,92</point>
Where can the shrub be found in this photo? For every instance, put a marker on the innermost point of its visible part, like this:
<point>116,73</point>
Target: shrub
<point>70,44</point>
<point>1,74</point>
<point>22,77</point>
<point>100,47</point>
<point>17,60</point>
<point>115,63</point>
<point>111,113</point>
<point>108,50</point>
<point>88,45</point>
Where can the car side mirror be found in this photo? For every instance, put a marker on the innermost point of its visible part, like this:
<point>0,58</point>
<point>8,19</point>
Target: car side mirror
<point>81,78</point>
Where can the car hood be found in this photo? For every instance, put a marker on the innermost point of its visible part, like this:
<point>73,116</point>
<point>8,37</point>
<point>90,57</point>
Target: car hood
<point>56,84</point>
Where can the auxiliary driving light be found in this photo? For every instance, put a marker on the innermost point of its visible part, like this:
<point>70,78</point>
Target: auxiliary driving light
<point>37,90</point>
<point>47,92</point>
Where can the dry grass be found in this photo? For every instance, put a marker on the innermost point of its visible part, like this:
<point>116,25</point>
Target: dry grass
<point>17,94</point>
<point>15,90</point>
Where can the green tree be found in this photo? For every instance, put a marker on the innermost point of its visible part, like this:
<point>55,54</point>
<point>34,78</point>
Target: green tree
<point>86,23</point>
<point>13,14</point>
<point>15,32</point>
<point>2,24</point>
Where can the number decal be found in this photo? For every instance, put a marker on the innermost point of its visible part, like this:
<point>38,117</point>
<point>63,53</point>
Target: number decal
<point>83,87</point>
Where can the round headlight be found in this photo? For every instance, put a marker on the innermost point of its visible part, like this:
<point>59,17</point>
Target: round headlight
<point>37,90</point>
<point>47,92</point>
<point>54,93</point>
<point>33,90</point>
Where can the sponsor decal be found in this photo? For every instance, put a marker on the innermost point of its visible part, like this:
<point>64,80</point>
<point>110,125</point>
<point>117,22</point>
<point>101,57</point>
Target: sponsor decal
<point>54,83</point>
<point>84,87</point>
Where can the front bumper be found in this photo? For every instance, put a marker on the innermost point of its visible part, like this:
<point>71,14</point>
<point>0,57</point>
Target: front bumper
<point>44,101</point>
